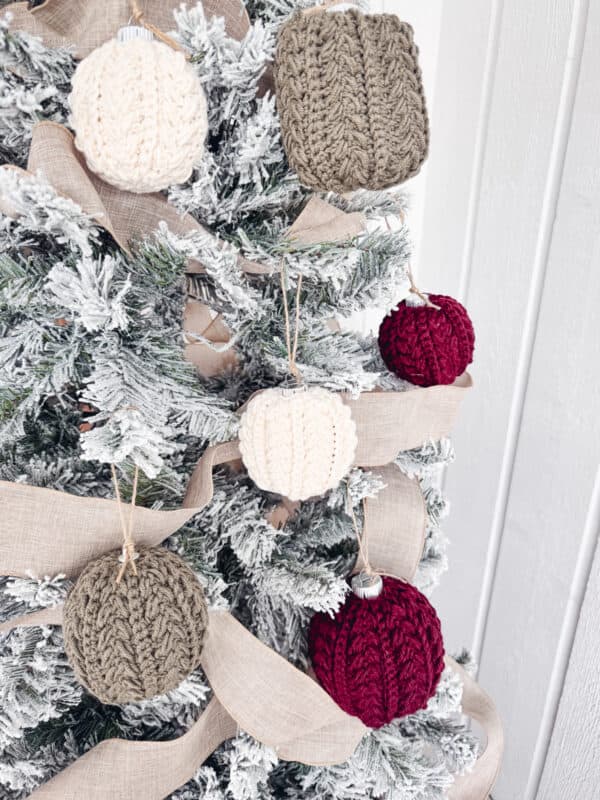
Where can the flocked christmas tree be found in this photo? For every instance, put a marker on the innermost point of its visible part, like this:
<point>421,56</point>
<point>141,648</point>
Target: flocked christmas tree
<point>92,371</point>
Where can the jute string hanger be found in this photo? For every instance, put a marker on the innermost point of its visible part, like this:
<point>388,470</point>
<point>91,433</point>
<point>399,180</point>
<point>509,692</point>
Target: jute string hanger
<point>369,579</point>
<point>413,288</point>
<point>137,16</point>
<point>292,347</point>
<point>367,582</point>
<point>129,555</point>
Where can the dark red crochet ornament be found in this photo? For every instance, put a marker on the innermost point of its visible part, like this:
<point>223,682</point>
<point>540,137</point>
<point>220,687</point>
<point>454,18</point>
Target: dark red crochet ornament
<point>379,658</point>
<point>427,346</point>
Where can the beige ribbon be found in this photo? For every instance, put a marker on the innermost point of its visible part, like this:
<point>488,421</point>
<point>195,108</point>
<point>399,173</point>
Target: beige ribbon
<point>389,422</point>
<point>395,520</point>
<point>127,216</point>
<point>321,222</point>
<point>200,322</point>
<point>479,706</point>
<point>86,24</point>
<point>265,696</point>
<point>255,688</point>
<point>258,691</point>
<point>130,217</point>
<point>59,532</point>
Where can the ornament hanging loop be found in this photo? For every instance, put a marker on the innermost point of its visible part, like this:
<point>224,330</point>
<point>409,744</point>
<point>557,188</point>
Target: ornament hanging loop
<point>292,347</point>
<point>413,288</point>
<point>416,291</point>
<point>367,583</point>
<point>128,555</point>
<point>137,16</point>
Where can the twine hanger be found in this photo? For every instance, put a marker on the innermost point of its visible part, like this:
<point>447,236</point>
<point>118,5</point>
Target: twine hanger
<point>129,554</point>
<point>292,348</point>
<point>363,546</point>
<point>413,286</point>
<point>137,16</point>
<point>415,290</point>
<point>362,539</point>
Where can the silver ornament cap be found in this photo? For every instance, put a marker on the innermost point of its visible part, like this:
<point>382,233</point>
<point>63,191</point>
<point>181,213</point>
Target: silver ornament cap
<point>130,32</point>
<point>414,300</point>
<point>366,585</point>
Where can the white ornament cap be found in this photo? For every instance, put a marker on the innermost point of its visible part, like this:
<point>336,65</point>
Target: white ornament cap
<point>131,32</point>
<point>366,585</point>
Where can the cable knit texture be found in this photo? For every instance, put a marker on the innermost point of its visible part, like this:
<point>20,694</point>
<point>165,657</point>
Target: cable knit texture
<point>138,638</point>
<point>139,114</point>
<point>350,100</point>
<point>425,346</point>
<point>299,443</point>
<point>379,658</point>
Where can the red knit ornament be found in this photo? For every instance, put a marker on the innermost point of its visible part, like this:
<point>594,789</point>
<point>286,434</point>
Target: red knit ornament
<point>379,658</point>
<point>425,346</point>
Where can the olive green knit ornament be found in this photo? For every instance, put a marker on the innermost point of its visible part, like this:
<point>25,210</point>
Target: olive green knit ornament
<point>137,636</point>
<point>350,100</point>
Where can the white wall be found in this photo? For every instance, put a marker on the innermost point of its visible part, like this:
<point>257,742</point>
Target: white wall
<point>508,220</point>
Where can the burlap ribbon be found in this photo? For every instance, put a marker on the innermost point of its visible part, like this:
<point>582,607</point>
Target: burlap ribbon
<point>255,689</point>
<point>59,532</point>
<point>86,24</point>
<point>319,221</point>
<point>130,217</point>
<point>127,216</point>
<point>260,693</point>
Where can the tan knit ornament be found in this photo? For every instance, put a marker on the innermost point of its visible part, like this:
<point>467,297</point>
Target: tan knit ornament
<point>139,636</point>
<point>297,442</point>
<point>139,112</point>
<point>350,99</point>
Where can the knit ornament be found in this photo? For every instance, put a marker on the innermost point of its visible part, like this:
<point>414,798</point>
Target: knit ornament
<point>139,113</point>
<point>427,346</point>
<point>350,100</point>
<point>379,658</point>
<point>140,637</point>
<point>297,442</point>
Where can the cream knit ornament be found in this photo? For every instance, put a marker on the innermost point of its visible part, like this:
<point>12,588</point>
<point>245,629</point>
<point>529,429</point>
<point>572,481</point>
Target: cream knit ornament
<point>297,442</point>
<point>139,112</point>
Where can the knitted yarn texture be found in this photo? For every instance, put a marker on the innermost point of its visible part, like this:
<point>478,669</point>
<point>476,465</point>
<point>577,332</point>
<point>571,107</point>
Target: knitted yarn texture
<point>139,114</point>
<point>138,638</point>
<point>379,658</point>
<point>297,442</point>
<point>350,100</point>
<point>425,346</point>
